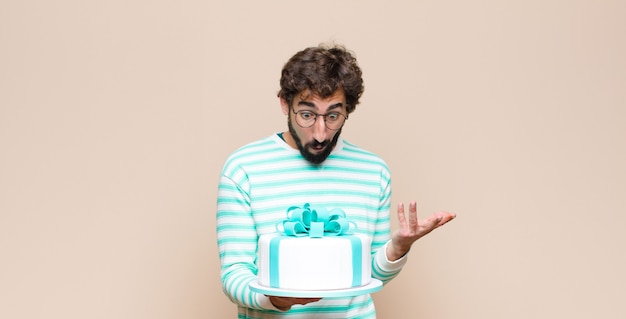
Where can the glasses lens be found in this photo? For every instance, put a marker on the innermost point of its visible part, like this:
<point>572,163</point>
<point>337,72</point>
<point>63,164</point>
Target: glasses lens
<point>334,121</point>
<point>305,118</point>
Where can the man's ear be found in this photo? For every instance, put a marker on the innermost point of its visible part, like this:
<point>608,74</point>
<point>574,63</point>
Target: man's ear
<point>284,106</point>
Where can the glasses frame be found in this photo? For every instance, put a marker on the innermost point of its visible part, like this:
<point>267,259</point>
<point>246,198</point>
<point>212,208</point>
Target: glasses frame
<point>318,115</point>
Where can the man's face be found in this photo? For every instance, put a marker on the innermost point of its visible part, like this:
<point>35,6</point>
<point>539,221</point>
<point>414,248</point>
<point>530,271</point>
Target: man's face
<point>317,141</point>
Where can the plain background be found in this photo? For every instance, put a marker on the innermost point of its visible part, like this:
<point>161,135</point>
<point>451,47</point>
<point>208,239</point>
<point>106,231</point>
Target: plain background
<point>116,117</point>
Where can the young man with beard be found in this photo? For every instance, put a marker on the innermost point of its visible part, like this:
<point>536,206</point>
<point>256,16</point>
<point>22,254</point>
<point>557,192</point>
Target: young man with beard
<point>311,163</point>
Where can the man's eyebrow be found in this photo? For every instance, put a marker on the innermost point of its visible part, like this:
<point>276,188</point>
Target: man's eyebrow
<point>336,105</point>
<point>311,104</point>
<point>306,103</point>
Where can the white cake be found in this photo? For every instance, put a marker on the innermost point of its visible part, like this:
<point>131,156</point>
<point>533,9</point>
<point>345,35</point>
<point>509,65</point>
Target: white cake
<point>307,263</point>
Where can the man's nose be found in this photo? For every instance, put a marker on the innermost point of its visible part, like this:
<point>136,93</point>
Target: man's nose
<point>319,129</point>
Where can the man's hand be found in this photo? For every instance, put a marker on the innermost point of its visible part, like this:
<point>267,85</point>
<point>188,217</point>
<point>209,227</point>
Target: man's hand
<point>412,229</point>
<point>285,303</point>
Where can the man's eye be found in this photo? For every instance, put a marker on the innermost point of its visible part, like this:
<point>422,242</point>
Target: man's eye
<point>306,115</point>
<point>333,116</point>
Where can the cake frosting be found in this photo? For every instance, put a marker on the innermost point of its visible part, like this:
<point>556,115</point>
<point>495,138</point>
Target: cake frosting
<point>307,263</point>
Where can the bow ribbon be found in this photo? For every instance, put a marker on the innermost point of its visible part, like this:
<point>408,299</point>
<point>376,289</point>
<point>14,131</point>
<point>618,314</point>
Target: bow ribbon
<point>316,221</point>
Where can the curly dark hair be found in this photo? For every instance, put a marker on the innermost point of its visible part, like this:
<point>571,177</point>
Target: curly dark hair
<point>322,70</point>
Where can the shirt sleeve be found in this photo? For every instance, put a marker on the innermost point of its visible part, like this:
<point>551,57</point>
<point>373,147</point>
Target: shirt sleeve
<point>382,268</point>
<point>237,245</point>
<point>385,265</point>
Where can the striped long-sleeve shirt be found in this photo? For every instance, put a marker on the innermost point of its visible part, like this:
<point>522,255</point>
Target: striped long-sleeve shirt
<point>261,180</point>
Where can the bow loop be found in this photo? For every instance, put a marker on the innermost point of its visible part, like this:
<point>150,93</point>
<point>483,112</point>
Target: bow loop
<point>316,221</point>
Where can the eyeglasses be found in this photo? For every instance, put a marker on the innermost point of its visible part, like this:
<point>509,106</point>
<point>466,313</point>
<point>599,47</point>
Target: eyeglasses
<point>332,120</point>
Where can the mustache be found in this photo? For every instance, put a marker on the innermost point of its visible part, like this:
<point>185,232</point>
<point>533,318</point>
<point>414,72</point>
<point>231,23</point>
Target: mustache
<point>319,144</point>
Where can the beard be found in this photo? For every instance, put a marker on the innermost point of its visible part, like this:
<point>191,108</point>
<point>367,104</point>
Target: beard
<point>318,158</point>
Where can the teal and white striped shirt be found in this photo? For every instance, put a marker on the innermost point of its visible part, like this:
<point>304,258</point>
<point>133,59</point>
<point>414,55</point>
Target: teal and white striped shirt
<point>261,180</point>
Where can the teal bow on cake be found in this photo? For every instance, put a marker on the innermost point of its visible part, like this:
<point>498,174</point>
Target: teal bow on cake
<point>316,221</point>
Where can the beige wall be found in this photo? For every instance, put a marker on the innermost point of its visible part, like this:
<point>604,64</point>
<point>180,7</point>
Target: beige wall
<point>116,116</point>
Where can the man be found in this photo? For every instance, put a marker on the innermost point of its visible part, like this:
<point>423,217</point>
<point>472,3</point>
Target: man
<point>310,163</point>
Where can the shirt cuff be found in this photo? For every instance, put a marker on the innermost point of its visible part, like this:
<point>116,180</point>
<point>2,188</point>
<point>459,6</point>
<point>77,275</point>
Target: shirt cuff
<point>387,265</point>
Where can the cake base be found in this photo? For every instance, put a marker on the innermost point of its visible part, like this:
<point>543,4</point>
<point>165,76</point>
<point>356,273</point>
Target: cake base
<point>374,286</point>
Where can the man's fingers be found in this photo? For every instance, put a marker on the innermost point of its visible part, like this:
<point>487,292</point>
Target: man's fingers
<point>285,303</point>
<point>304,301</point>
<point>411,225</point>
<point>446,217</point>
<point>401,216</point>
<point>440,219</point>
<point>413,222</point>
